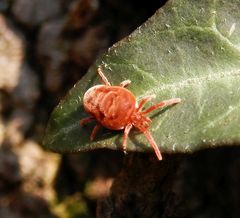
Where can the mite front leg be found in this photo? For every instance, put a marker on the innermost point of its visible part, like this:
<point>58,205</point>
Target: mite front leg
<point>86,120</point>
<point>162,104</point>
<point>144,101</point>
<point>125,83</point>
<point>125,136</point>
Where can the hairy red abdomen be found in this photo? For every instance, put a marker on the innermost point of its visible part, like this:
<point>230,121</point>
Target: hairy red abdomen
<point>112,106</point>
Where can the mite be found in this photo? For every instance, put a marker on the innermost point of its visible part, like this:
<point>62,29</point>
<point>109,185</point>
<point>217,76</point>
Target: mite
<point>115,108</point>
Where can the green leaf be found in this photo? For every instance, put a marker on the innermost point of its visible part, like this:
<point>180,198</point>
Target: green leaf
<point>189,49</point>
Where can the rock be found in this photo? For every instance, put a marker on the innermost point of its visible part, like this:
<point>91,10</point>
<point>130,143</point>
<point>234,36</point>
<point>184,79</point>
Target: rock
<point>2,131</point>
<point>34,12</point>
<point>6,212</point>
<point>56,52</point>
<point>11,55</point>
<point>19,105</point>
<point>27,90</point>
<point>4,5</point>
<point>26,205</point>
<point>80,13</point>
<point>9,170</point>
<point>19,82</point>
<point>68,45</point>
<point>99,188</point>
<point>38,168</point>
<point>86,48</point>
<point>51,52</point>
<point>17,125</point>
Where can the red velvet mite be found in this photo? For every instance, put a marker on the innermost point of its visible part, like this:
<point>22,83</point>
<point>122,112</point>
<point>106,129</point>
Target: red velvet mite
<point>115,107</point>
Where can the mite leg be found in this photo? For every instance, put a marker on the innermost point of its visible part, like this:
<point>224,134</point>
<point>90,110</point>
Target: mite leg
<point>94,131</point>
<point>162,104</point>
<point>86,120</point>
<point>125,136</point>
<point>144,101</point>
<point>153,144</point>
<point>103,77</point>
<point>125,83</point>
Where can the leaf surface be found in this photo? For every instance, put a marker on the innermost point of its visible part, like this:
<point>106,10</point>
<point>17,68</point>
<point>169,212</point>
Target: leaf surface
<point>188,49</point>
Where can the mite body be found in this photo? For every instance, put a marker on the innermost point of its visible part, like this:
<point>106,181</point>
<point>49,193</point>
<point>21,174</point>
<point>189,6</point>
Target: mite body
<point>115,108</point>
<point>112,106</point>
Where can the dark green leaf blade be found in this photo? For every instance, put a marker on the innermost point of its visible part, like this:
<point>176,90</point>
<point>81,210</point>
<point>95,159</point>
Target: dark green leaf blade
<point>188,49</point>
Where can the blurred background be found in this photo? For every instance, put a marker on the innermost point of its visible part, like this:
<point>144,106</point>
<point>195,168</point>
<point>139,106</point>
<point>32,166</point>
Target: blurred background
<point>46,47</point>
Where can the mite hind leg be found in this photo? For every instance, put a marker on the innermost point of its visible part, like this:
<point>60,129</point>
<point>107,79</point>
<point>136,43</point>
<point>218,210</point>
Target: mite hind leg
<point>125,137</point>
<point>94,131</point>
<point>153,144</point>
